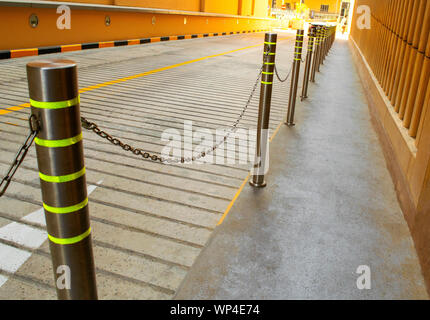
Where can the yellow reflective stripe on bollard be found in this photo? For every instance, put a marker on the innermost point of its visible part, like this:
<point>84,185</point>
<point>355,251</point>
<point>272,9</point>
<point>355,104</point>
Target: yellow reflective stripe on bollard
<point>55,104</point>
<point>58,143</point>
<point>65,178</point>
<point>269,63</point>
<point>269,53</point>
<point>264,82</point>
<point>264,72</point>
<point>69,209</point>
<point>265,42</point>
<point>70,240</point>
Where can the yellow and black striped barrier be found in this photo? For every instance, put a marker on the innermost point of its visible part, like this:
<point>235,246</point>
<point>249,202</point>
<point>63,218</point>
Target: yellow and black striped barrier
<point>54,99</point>
<point>17,53</point>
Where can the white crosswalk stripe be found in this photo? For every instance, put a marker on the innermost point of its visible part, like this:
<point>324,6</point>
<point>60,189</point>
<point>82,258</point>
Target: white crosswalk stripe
<point>11,259</point>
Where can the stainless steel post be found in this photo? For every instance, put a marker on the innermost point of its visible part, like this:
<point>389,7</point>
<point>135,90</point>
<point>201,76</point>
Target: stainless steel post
<point>323,44</point>
<point>326,41</point>
<point>295,78</point>
<point>308,62</point>
<point>54,100</point>
<point>316,52</point>
<point>261,150</point>
<point>320,44</point>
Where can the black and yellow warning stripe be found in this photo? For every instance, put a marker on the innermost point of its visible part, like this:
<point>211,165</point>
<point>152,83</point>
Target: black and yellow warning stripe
<point>8,54</point>
<point>269,53</point>
<point>67,179</point>
<point>298,47</point>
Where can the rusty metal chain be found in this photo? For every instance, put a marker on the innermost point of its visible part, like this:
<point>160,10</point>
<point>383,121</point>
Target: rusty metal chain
<point>146,155</point>
<point>20,156</point>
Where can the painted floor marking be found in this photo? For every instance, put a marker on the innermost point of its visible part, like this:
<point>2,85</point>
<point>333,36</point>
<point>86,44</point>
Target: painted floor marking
<point>139,75</point>
<point>239,191</point>
<point>3,279</point>
<point>36,217</point>
<point>23,234</point>
<point>11,258</point>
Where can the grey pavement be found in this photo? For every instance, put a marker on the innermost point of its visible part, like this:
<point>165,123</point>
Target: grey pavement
<point>328,208</point>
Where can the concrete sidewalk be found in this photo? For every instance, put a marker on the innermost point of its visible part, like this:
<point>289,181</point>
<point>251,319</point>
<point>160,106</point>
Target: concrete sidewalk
<point>329,207</point>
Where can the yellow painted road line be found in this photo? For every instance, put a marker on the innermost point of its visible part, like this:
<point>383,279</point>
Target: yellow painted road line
<point>108,83</point>
<point>234,199</point>
<point>243,183</point>
<point>276,131</point>
<point>139,75</point>
<point>15,108</point>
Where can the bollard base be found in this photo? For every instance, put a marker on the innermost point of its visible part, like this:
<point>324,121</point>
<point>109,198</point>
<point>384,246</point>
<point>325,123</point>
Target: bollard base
<point>290,124</point>
<point>257,185</point>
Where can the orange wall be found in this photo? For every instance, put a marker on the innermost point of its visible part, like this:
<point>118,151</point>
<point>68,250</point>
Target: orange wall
<point>212,6</point>
<point>246,8</point>
<point>315,5</point>
<point>222,6</point>
<point>106,2</point>
<point>261,8</point>
<point>187,5</point>
<point>89,26</point>
<point>334,5</point>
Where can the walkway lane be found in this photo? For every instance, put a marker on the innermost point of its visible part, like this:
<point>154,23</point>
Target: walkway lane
<point>329,207</point>
<point>150,221</point>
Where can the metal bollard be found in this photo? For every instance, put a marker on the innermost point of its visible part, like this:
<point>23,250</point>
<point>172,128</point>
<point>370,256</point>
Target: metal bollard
<point>315,54</point>
<point>323,44</point>
<point>295,78</point>
<point>257,179</point>
<point>319,49</point>
<point>328,41</point>
<point>322,53</point>
<point>54,100</point>
<point>318,57</point>
<point>311,34</point>
<point>332,37</point>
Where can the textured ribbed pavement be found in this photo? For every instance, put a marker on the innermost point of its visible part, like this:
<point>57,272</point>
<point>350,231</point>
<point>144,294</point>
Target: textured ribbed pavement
<point>150,221</point>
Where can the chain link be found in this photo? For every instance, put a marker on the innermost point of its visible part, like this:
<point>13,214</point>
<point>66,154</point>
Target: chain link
<point>115,141</point>
<point>91,126</point>
<point>146,155</point>
<point>232,129</point>
<point>20,156</point>
<point>279,78</point>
